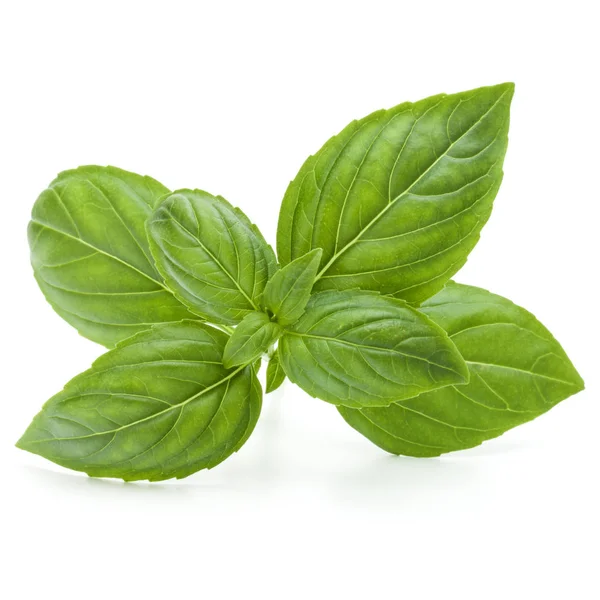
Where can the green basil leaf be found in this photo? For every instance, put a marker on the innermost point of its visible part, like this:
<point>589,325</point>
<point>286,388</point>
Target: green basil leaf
<point>288,291</point>
<point>250,339</point>
<point>397,200</point>
<point>90,253</point>
<point>518,371</point>
<point>360,349</point>
<point>210,255</point>
<point>160,405</point>
<point>275,372</point>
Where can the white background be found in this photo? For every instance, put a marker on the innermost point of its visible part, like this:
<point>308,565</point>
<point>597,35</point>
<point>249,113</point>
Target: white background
<point>232,97</point>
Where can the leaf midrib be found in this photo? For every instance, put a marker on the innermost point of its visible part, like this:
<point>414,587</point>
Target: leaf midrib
<point>407,190</point>
<point>217,261</point>
<point>518,370</point>
<point>376,348</point>
<point>294,287</point>
<point>112,256</point>
<point>148,418</point>
<point>261,331</point>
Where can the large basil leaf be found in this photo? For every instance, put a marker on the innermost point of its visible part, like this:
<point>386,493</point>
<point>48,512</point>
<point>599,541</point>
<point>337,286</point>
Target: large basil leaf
<point>518,371</point>
<point>397,200</point>
<point>359,349</point>
<point>90,253</point>
<point>211,256</point>
<point>275,372</point>
<point>288,291</point>
<point>250,339</point>
<point>160,405</point>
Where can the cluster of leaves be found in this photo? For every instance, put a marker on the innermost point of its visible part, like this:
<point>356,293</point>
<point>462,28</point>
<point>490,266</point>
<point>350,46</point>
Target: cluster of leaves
<point>359,311</point>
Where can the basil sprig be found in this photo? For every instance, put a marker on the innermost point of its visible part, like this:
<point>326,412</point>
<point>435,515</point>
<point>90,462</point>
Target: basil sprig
<point>359,312</point>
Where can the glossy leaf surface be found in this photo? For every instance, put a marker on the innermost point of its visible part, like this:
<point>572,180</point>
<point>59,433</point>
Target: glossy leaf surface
<point>518,371</point>
<point>360,349</point>
<point>289,289</point>
<point>397,200</point>
<point>160,405</point>
<point>250,339</point>
<point>211,256</point>
<point>90,253</point>
<point>275,373</point>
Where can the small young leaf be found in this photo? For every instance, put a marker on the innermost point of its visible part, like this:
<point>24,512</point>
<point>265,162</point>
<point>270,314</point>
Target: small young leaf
<point>397,200</point>
<point>518,371</point>
<point>250,339</point>
<point>360,349</point>
<point>275,373</point>
<point>160,405</point>
<point>90,253</point>
<point>289,289</point>
<point>211,256</point>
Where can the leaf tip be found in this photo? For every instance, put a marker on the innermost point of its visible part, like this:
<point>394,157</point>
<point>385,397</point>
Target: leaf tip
<point>579,382</point>
<point>228,362</point>
<point>22,442</point>
<point>464,376</point>
<point>461,371</point>
<point>506,89</point>
<point>273,385</point>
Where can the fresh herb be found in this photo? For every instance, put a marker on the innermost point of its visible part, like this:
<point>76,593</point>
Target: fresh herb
<point>360,311</point>
<point>275,372</point>
<point>91,256</point>
<point>517,372</point>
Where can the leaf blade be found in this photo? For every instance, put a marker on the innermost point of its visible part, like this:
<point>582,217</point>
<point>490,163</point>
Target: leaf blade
<point>518,372</point>
<point>415,182</point>
<point>90,254</point>
<point>275,372</point>
<point>288,291</point>
<point>250,339</point>
<point>358,349</point>
<point>160,405</point>
<point>212,257</point>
